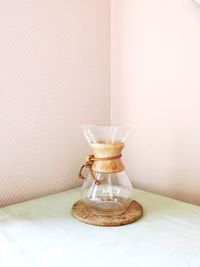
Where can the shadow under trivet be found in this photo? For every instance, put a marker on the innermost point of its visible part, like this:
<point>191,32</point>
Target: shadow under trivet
<point>133,213</point>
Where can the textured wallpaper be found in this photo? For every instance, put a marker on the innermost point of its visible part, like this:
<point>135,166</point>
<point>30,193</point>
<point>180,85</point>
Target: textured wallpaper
<point>54,75</point>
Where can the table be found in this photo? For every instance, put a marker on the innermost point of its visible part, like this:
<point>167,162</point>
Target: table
<point>43,233</point>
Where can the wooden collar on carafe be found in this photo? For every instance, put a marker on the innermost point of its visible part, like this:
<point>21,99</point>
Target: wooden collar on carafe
<point>106,159</point>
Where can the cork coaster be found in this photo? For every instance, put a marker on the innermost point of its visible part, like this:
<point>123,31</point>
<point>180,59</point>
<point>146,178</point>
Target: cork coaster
<point>133,213</point>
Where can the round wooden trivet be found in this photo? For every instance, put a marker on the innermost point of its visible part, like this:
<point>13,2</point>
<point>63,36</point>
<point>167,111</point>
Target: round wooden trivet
<point>133,213</point>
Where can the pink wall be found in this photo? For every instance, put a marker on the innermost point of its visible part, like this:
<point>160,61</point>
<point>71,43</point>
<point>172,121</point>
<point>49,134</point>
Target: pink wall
<point>54,75</point>
<point>155,86</point>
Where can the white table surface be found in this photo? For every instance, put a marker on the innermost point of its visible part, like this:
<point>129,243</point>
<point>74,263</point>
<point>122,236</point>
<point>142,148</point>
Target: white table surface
<point>43,233</point>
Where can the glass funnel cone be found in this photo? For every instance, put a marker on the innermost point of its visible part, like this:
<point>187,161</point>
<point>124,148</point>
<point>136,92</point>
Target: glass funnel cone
<point>105,133</point>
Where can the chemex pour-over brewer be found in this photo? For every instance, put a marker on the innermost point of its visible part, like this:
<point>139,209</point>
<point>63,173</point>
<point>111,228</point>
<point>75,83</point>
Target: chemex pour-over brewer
<point>106,194</point>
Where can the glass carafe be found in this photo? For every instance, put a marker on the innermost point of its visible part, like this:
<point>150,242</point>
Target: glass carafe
<point>107,189</point>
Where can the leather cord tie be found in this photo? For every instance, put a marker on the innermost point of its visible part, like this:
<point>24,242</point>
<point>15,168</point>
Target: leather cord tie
<point>88,165</point>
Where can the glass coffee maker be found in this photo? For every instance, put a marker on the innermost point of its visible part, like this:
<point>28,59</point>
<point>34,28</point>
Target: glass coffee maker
<point>106,190</point>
